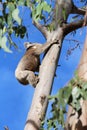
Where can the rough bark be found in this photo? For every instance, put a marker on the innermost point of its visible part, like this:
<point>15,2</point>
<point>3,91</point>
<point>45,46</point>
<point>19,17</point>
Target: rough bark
<point>73,123</point>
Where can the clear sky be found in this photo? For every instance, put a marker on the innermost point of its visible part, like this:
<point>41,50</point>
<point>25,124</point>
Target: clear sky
<point>15,99</point>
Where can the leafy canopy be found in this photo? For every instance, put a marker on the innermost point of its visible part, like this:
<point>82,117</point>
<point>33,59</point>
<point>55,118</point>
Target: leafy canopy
<point>11,21</point>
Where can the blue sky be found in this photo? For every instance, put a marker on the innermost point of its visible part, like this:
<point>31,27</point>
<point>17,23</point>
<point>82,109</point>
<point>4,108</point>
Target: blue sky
<point>15,99</point>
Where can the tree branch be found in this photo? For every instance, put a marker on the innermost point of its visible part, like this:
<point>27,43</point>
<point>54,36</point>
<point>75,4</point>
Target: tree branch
<point>85,18</point>
<point>41,28</point>
<point>76,10</point>
<point>6,128</point>
<point>73,26</point>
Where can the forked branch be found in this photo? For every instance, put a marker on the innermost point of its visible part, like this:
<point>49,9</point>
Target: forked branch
<point>41,28</point>
<point>73,26</point>
<point>80,11</point>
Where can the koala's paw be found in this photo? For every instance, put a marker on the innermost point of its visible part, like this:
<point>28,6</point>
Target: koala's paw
<point>36,81</point>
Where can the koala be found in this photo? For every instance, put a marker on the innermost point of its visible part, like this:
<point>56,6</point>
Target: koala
<point>30,62</point>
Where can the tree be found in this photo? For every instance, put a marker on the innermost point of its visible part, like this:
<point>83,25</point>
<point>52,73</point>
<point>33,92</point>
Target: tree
<point>55,27</point>
<point>73,122</point>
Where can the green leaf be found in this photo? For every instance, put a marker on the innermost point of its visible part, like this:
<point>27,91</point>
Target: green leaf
<point>9,20</point>
<point>85,96</point>
<point>38,0</point>
<point>61,117</point>
<point>76,105</point>
<point>46,6</point>
<point>38,9</point>
<point>4,30</point>
<point>10,6</point>
<point>15,15</point>
<point>3,41</point>
<point>37,12</point>
<point>64,14</point>
<point>21,2</point>
<point>1,32</point>
<point>85,86</point>
<point>75,92</point>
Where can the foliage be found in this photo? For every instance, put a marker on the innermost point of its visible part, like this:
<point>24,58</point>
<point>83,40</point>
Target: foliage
<point>71,94</point>
<point>11,21</point>
<point>38,8</point>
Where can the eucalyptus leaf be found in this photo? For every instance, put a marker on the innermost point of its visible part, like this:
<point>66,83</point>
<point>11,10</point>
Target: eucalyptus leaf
<point>15,15</point>
<point>39,9</point>
<point>9,20</point>
<point>21,2</point>
<point>75,92</point>
<point>85,96</point>
<point>1,32</point>
<point>4,30</point>
<point>3,41</point>
<point>85,86</point>
<point>46,7</point>
<point>10,6</point>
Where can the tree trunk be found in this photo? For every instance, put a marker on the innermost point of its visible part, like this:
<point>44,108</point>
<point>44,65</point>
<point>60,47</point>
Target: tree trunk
<point>73,123</point>
<point>82,69</point>
<point>43,88</point>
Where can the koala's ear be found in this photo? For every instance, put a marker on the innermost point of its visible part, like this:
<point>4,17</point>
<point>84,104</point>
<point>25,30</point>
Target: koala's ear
<point>27,45</point>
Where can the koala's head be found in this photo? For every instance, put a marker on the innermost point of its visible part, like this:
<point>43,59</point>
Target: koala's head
<point>28,45</point>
